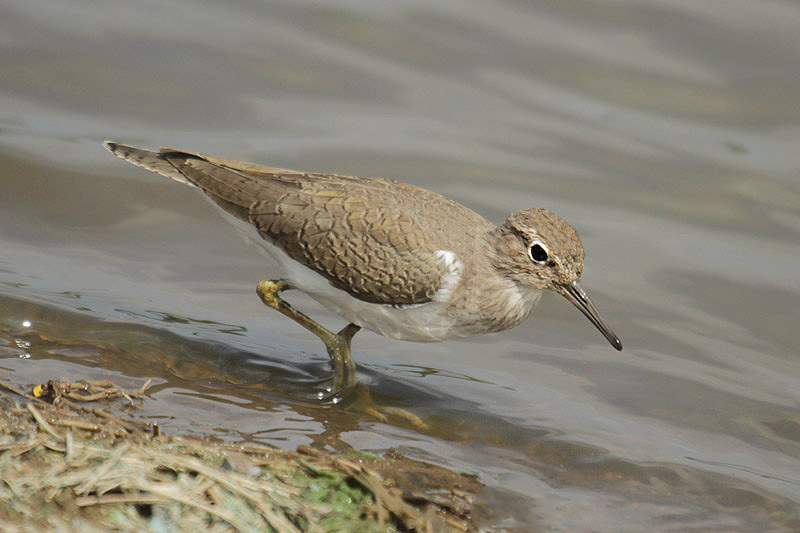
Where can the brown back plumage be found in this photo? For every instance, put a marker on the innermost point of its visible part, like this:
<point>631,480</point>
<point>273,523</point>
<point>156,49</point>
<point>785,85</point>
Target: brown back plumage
<point>372,237</point>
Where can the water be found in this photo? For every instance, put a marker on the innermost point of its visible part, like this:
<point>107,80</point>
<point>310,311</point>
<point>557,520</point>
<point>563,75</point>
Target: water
<point>666,132</point>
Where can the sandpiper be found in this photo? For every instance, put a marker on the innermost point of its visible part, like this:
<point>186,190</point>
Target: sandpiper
<point>396,259</point>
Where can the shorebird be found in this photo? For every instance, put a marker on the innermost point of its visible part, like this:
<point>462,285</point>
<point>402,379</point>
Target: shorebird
<point>393,258</point>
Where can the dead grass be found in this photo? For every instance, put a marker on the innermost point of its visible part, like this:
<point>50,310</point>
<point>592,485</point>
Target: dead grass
<point>66,466</point>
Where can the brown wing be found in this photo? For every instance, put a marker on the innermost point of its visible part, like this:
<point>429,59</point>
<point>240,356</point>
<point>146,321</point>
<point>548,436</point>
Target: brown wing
<point>365,237</point>
<point>374,238</point>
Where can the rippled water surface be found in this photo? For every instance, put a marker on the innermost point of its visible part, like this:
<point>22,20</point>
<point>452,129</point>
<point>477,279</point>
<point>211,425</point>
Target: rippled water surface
<point>667,132</point>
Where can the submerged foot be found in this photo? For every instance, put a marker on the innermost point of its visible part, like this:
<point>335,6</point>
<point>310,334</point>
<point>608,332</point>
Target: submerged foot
<point>359,399</point>
<point>355,397</point>
<point>337,344</point>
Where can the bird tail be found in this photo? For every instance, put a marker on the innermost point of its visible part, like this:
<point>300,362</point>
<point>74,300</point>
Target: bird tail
<point>153,161</point>
<point>232,189</point>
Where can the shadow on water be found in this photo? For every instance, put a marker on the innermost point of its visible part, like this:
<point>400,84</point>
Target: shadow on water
<point>205,368</point>
<point>40,342</point>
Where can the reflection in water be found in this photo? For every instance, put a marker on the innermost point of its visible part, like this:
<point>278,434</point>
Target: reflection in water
<point>269,402</point>
<point>423,371</point>
<point>171,318</point>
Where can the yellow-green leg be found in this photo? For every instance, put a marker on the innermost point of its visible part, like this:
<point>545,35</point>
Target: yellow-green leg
<point>338,344</point>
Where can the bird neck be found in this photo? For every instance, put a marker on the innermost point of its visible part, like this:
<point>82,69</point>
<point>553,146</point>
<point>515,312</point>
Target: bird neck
<point>485,300</point>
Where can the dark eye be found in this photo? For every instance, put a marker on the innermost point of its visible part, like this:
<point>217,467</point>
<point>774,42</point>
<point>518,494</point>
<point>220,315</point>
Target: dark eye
<point>537,253</point>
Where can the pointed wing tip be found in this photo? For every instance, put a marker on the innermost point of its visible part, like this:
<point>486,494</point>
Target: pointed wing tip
<point>111,146</point>
<point>123,150</point>
<point>152,161</point>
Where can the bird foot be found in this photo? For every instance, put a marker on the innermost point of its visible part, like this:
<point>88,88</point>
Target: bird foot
<point>356,397</point>
<point>359,399</point>
<point>337,344</point>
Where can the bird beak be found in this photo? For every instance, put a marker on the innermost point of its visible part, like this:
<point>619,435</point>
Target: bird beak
<point>575,294</point>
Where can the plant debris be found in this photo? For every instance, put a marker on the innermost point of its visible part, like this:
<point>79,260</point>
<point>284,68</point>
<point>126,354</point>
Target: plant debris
<point>66,466</point>
<point>87,391</point>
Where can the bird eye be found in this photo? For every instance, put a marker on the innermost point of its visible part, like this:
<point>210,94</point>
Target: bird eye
<point>537,252</point>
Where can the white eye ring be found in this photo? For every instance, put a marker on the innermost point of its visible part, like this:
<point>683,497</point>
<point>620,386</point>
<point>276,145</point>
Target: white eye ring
<point>538,252</point>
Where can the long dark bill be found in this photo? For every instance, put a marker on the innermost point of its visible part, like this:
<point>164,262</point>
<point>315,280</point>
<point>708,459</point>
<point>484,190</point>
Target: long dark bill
<point>575,294</point>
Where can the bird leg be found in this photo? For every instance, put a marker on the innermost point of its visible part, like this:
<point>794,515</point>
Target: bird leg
<point>338,344</point>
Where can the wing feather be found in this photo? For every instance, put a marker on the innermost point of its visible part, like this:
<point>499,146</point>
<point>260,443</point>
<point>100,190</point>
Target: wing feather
<point>377,239</point>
